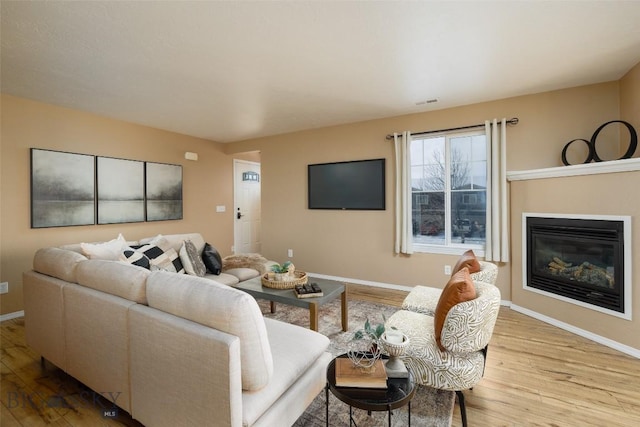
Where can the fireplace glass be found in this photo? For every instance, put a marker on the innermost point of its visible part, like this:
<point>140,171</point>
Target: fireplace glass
<point>577,258</point>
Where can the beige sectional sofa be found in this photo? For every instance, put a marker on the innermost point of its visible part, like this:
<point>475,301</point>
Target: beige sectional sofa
<point>170,349</point>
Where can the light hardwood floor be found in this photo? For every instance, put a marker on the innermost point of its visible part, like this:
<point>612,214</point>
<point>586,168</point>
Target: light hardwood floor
<point>536,375</point>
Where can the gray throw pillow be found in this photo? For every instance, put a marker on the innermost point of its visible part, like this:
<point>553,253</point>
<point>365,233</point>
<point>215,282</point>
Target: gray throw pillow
<point>191,259</point>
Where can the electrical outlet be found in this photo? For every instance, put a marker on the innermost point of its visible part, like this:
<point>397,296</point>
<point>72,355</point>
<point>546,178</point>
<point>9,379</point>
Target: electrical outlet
<point>4,287</point>
<point>290,253</point>
<point>447,269</point>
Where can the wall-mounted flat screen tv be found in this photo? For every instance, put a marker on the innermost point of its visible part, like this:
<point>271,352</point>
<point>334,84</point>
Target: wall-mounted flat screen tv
<point>354,185</point>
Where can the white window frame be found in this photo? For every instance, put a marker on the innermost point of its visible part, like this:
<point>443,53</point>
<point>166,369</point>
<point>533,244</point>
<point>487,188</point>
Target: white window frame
<point>450,248</point>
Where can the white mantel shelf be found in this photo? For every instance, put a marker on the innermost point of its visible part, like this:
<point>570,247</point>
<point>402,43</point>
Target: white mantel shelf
<point>613,166</point>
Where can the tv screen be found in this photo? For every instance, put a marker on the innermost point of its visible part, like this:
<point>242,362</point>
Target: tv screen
<point>357,185</point>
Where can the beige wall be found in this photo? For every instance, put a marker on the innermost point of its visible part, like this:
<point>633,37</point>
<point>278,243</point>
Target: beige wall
<point>630,105</point>
<point>358,244</point>
<point>607,194</point>
<point>27,124</point>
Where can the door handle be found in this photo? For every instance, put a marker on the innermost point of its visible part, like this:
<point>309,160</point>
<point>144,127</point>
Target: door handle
<point>238,214</point>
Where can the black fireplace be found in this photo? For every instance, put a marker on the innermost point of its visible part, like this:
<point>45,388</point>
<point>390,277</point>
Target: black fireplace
<point>581,259</point>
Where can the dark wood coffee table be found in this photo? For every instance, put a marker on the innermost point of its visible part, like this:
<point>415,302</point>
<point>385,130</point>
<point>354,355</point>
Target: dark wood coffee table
<point>399,393</point>
<point>330,289</point>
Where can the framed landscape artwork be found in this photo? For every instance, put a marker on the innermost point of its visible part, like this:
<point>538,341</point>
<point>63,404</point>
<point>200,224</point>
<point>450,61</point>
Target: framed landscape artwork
<point>62,189</point>
<point>163,191</point>
<point>120,190</point>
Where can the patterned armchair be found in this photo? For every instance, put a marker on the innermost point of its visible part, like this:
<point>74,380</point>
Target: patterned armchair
<point>423,299</point>
<point>466,332</point>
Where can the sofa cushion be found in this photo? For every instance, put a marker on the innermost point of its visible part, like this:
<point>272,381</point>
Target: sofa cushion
<point>211,259</point>
<point>115,278</point>
<point>223,278</point>
<point>243,273</point>
<point>110,250</point>
<point>59,263</point>
<point>460,288</point>
<point>191,260</point>
<point>221,307</point>
<point>295,350</point>
<point>469,260</point>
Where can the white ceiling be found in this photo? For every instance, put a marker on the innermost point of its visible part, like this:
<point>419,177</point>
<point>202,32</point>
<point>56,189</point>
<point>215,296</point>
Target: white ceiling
<point>228,71</point>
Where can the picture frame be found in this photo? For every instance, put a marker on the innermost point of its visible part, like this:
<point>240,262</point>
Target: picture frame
<point>163,191</point>
<point>63,190</point>
<point>120,190</point>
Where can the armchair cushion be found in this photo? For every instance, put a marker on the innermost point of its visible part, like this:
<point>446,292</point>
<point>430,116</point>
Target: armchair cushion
<point>422,299</point>
<point>469,260</point>
<point>459,289</point>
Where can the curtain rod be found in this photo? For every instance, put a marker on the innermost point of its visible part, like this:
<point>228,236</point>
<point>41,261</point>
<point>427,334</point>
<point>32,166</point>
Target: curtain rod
<point>514,121</point>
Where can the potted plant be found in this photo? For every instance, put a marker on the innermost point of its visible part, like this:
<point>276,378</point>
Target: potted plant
<point>281,270</point>
<point>371,331</point>
<point>365,346</point>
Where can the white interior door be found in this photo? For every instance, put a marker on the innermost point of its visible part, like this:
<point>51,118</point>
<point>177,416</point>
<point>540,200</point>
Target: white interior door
<point>246,209</point>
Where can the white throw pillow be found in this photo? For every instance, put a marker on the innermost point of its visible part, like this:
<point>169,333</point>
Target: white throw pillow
<point>110,250</point>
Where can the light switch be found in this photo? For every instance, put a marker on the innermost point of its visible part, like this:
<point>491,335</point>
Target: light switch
<point>221,208</point>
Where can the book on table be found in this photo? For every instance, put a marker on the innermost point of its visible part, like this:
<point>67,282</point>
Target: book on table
<point>308,290</point>
<point>349,375</point>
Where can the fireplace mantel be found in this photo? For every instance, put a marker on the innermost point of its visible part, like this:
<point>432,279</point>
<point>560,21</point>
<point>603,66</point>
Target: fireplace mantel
<point>613,166</point>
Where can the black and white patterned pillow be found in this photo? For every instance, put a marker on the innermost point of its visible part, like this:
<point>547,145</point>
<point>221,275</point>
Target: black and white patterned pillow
<point>132,256</point>
<point>168,261</point>
<point>149,250</point>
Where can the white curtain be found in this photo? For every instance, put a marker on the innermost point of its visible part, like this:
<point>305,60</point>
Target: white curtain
<point>497,234</point>
<point>404,229</point>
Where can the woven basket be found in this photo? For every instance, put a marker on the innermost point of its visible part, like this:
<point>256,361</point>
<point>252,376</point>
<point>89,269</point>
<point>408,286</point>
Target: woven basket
<point>299,279</point>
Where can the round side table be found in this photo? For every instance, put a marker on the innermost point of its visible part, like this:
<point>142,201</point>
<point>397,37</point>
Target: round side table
<point>399,393</point>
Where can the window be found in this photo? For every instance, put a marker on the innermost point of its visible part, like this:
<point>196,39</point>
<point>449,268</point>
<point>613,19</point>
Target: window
<point>449,189</point>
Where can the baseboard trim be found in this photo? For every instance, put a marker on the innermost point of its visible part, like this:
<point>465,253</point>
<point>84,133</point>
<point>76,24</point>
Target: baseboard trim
<point>362,282</point>
<point>634,352</point>
<point>10,316</point>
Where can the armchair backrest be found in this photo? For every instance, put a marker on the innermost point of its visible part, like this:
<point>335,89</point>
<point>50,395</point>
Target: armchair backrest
<point>469,325</point>
<point>488,273</point>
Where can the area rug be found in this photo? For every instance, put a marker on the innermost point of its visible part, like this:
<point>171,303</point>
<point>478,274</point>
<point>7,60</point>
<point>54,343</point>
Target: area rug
<point>429,407</point>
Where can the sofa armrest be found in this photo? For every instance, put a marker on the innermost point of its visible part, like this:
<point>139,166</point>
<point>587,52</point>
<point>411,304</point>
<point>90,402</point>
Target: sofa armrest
<point>182,372</point>
<point>44,316</point>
